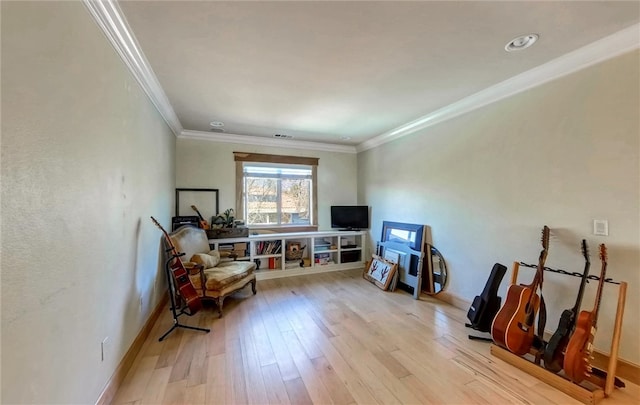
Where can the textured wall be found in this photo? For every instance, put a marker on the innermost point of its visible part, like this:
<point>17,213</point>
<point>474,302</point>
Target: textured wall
<point>562,154</point>
<point>85,160</point>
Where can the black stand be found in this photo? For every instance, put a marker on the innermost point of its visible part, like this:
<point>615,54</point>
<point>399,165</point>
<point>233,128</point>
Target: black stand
<point>176,314</point>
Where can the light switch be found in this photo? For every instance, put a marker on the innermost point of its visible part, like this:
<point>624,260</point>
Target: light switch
<point>601,227</point>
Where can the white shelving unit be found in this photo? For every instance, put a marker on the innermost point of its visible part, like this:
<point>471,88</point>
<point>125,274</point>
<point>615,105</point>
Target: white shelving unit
<point>324,251</point>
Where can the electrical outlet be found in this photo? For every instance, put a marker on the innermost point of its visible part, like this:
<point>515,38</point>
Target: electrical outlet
<point>103,348</point>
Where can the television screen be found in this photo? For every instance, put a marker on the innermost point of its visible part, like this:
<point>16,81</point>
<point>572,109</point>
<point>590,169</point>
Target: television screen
<point>350,217</point>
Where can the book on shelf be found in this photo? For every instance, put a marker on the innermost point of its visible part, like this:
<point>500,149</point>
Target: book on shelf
<point>268,247</point>
<point>275,263</point>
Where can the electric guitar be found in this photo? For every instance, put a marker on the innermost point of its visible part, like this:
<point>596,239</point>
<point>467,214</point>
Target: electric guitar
<point>512,328</point>
<point>186,290</point>
<point>577,357</point>
<point>554,351</point>
<point>203,222</point>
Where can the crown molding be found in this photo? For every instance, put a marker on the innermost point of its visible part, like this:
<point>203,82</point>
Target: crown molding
<point>264,141</point>
<point>110,19</point>
<point>606,48</point>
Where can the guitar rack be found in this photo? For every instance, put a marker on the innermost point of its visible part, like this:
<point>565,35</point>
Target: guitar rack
<point>601,384</point>
<point>172,296</point>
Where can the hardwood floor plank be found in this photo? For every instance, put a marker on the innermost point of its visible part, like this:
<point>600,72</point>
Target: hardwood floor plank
<point>155,389</point>
<point>256,392</point>
<point>136,381</point>
<point>237,391</point>
<point>276,390</point>
<point>315,388</point>
<point>175,392</point>
<point>195,394</point>
<point>297,392</point>
<point>217,385</point>
<point>337,391</point>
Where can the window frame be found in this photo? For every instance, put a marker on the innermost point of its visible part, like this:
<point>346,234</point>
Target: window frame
<point>244,157</point>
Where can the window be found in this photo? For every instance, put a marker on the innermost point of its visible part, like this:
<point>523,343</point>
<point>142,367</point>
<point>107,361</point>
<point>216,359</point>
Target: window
<point>276,191</point>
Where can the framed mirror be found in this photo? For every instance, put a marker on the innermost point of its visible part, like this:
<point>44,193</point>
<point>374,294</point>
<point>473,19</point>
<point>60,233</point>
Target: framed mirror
<point>414,236</point>
<point>206,200</point>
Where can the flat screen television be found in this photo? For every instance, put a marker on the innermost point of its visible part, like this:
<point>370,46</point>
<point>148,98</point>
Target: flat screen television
<point>350,217</point>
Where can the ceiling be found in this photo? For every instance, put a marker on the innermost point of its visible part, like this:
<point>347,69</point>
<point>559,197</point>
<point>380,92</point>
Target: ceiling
<point>345,73</point>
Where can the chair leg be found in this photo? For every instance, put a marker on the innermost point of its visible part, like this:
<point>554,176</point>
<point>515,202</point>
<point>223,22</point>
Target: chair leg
<point>219,302</point>
<point>253,286</point>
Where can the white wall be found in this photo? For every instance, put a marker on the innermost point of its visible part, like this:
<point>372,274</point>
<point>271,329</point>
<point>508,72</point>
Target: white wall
<point>208,164</point>
<point>86,159</point>
<point>562,154</point>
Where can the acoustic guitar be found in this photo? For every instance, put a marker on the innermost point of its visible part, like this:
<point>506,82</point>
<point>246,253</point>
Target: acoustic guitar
<point>203,222</point>
<point>577,364</point>
<point>555,349</point>
<point>183,285</point>
<point>512,328</point>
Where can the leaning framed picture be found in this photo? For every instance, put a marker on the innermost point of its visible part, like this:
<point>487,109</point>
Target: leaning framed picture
<point>380,272</point>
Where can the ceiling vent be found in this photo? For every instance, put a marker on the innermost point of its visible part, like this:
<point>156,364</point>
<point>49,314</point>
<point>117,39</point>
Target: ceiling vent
<point>282,136</point>
<point>217,130</point>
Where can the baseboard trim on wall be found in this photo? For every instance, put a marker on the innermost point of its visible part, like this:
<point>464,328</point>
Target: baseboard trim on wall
<point>118,376</point>
<point>626,370</point>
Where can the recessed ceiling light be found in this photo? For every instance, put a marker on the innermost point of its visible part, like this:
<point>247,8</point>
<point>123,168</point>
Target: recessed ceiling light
<point>520,43</point>
<point>216,124</point>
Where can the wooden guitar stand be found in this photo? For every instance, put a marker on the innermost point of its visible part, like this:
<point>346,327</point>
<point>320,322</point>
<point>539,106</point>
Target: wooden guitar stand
<point>173,308</point>
<point>601,384</point>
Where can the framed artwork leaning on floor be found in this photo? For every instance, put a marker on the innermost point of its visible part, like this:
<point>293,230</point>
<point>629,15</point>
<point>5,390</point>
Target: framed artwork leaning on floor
<point>380,272</point>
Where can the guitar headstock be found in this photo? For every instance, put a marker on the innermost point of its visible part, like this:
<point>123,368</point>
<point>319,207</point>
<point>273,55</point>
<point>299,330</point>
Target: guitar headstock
<point>603,252</point>
<point>585,250</point>
<point>156,222</point>
<point>193,207</point>
<point>545,237</point>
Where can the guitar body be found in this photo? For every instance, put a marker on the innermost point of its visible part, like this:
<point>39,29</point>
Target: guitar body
<point>512,327</point>
<point>185,288</point>
<point>554,351</point>
<point>576,359</point>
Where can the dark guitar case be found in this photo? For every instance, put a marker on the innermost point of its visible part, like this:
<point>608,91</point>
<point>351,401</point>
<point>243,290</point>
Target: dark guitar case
<point>486,305</point>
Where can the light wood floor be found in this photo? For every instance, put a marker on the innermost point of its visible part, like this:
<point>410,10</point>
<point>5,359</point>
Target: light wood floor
<point>330,338</point>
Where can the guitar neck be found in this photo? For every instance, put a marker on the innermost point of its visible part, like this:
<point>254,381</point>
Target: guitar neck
<point>585,274</point>
<point>596,307</point>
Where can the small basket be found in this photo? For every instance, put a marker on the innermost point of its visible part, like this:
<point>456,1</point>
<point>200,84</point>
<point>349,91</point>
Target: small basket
<point>294,254</point>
